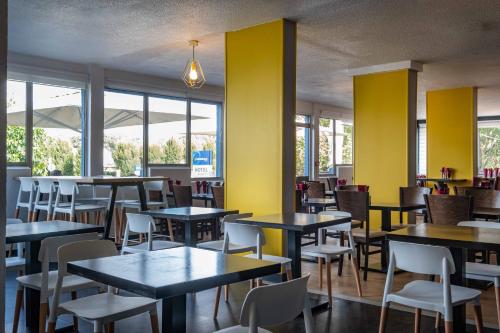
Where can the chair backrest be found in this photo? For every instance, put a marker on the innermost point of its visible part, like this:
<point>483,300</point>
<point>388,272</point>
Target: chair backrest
<point>497,184</point>
<point>45,186</point>
<point>448,209</point>
<point>27,184</point>
<point>421,259</point>
<point>156,186</point>
<point>462,190</point>
<point>356,203</point>
<point>484,198</point>
<point>276,304</point>
<point>140,223</point>
<point>346,227</point>
<point>67,187</point>
<point>183,195</point>
<point>243,235</point>
<point>413,195</point>
<point>218,194</point>
<point>332,183</point>
<point>315,190</point>
<point>479,224</point>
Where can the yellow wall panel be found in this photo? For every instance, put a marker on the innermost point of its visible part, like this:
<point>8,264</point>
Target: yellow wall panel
<point>254,119</point>
<point>451,132</point>
<point>383,136</point>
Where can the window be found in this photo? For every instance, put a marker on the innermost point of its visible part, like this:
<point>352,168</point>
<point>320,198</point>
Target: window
<point>167,131</point>
<point>123,133</point>
<point>343,142</point>
<point>206,137</point>
<point>302,147</point>
<point>489,144</point>
<point>16,122</point>
<point>57,130</point>
<point>326,145</point>
<point>421,149</point>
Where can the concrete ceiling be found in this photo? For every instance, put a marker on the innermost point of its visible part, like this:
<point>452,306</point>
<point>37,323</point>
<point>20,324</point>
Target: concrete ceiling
<point>457,40</point>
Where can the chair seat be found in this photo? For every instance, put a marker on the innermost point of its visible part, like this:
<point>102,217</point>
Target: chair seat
<point>324,250</point>
<point>136,204</point>
<point>107,306</point>
<point>23,205</point>
<point>479,271</point>
<point>218,245</point>
<point>268,257</point>
<point>82,207</point>
<point>360,234</point>
<point>428,295</point>
<point>70,282</point>
<point>14,221</point>
<point>157,245</point>
<point>15,263</point>
<point>240,329</point>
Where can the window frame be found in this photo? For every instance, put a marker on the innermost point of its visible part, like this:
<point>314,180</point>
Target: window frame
<point>220,129</point>
<point>334,150</point>
<point>308,144</point>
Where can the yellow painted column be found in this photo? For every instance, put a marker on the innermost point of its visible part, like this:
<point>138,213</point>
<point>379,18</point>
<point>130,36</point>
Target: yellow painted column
<point>385,135</point>
<point>259,133</point>
<point>451,132</point>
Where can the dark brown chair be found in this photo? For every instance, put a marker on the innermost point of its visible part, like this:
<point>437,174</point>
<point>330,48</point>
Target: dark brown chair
<point>497,184</point>
<point>183,195</point>
<point>358,204</point>
<point>358,188</point>
<point>315,190</point>
<point>446,209</point>
<point>332,183</point>
<point>462,190</point>
<point>484,198</point>
<point>218,194</point>
<point>413,195</point>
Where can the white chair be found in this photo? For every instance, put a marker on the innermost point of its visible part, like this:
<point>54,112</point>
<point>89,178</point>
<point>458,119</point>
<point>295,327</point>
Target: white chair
<point>218,245</point>
<point>246,235</point>
<point>45,281</point>
<point>274,305</point>
<point>45,188</point>
<point>101,309</point>
<point>327,252</point>
<point>73,208</point>
<point>484,272</point>
<point>16,263</point>
<point>144,224</point>
<point>423,294</point>
<point>27,186</point>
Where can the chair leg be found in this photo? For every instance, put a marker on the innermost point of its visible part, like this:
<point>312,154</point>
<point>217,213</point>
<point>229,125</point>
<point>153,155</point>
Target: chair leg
<point>170,230</point>
<point>17,309</point>
<point>16,213</point>
<point>117,225</point>
<point>329,281</point>
<point>110,327</point>
<point>217,300</point>
<point>478,318</point>
<point>289,275</point>
<point>74,296</point>
<point>356,275</point>
<point>448,327</point>
<point>341,265</point>
<point>155,328</point>
<point>42,317</point>
<point>320,272</point>
<point>438,320</point>
<point>226,293</point>
<point>497,296</point>
<point>52,327</point>
<point>383,319</point>
<point>367,251</point>
<point>418,316</point>
<point>97,327</point>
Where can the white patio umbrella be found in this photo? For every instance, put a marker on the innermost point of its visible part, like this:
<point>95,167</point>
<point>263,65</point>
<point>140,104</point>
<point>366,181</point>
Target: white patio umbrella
<point>69,117</point>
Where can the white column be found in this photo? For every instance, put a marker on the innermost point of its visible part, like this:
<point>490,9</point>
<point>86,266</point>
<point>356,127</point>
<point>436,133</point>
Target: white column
<point>3,155</point>
<point>95,128</point>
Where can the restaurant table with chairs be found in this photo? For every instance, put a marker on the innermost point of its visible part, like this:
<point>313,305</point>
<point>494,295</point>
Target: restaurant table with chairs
<point>32,234</point>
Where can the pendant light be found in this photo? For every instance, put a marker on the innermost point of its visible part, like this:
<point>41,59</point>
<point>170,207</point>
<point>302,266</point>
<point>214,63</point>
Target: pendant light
<point>193,74</point>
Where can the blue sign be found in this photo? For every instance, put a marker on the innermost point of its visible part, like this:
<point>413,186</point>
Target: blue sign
<point>202,157</point>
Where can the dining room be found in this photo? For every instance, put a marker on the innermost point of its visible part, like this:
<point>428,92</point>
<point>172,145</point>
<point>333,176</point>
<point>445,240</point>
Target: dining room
<point>249,166</point>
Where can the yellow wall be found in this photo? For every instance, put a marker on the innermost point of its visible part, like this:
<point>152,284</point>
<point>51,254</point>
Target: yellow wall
<point>383,136</point>
<point>451,134</point>
<point>254,119</point>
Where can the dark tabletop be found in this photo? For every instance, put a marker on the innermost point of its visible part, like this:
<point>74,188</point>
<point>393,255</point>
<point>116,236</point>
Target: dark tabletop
<point>104,180</point>
<point>189,213</point>
<point>295,221</point>
<point>395,206</point>
<point>453,236</point>
<point>172,272</point>
<point>320,202</point>
<point>37,231</point>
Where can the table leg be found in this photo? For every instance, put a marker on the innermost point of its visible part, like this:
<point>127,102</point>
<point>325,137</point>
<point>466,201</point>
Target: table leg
<point>459,258</point>
<point>109,213</point>
<point>190,233</point>
<point>174,314</point>
<point>32,296</point>
<point>386,220</point>
<point>294,252</point>
<point>142,196</point>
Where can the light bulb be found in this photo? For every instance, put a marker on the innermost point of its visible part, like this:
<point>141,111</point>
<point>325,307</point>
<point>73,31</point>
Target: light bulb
<point>193,74</point>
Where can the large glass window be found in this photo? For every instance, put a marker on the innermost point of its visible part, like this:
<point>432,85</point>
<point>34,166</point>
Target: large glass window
<point>489,144</point>
<point>167,131</point>
<point>57,130</point>
<point>421,149</point>
<point>326,145</point>
<point>16,122</point>
<point>343,142</point>
<point>123,133</point>
<point>205,139</point>
<point>302,147</point>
